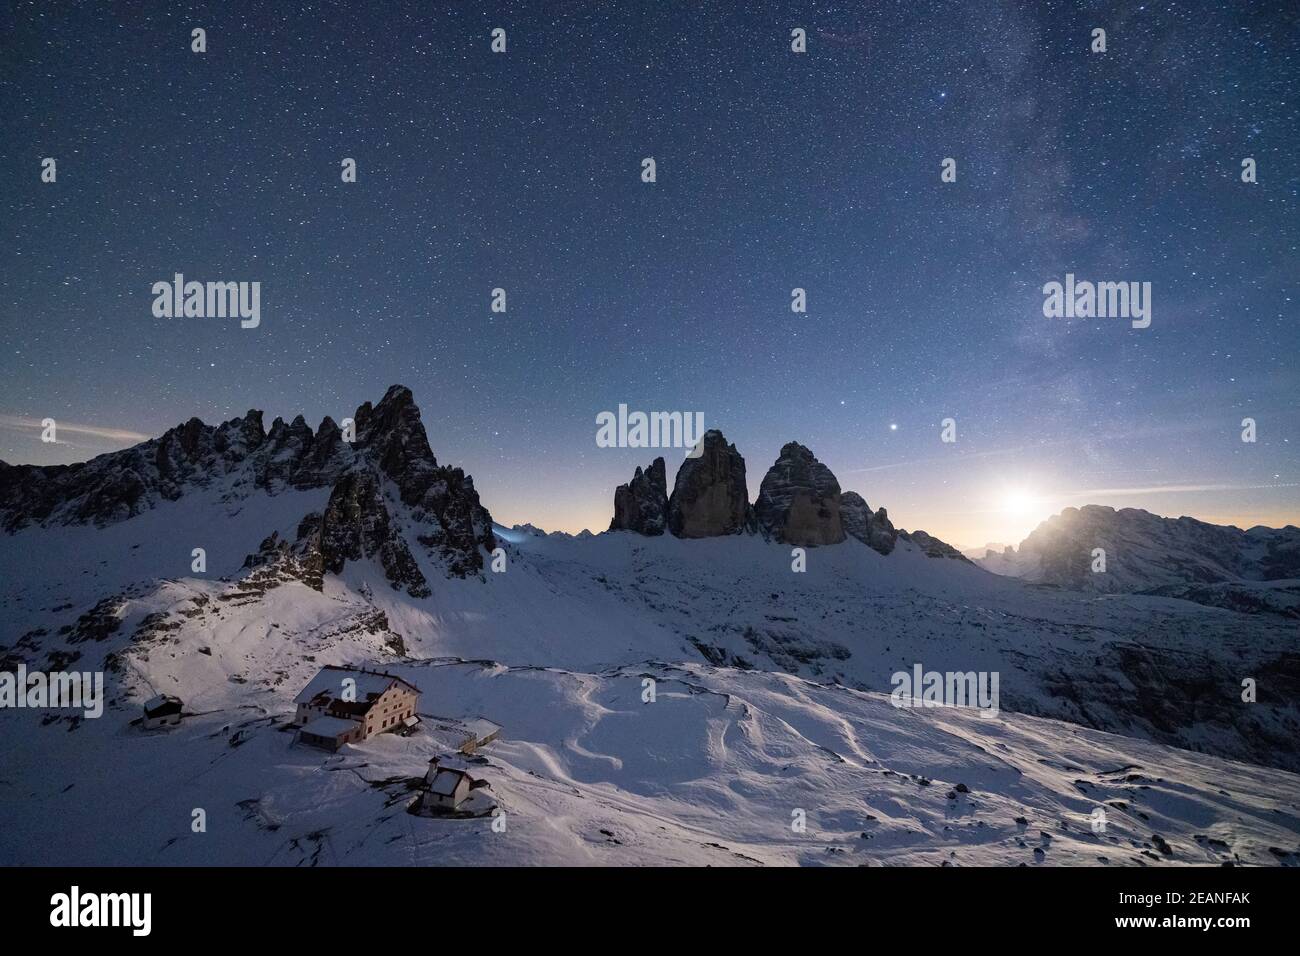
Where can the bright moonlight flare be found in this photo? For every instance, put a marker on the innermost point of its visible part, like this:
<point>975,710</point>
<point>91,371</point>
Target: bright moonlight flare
<point>1019,502</point>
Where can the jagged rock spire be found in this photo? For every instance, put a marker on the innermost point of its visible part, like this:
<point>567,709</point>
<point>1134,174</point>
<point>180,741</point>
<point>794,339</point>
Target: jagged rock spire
<point>710,497</point>
<point>642,504</point>
<point>391,443</point>
<point>799,500</point>
<point>873,529</point>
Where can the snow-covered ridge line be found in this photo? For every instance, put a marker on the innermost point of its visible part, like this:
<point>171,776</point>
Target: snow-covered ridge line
<point>239,460</point>
<point>1099,549</point>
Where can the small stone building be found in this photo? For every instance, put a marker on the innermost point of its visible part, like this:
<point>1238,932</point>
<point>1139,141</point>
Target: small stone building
<point>162,711</point>
<point>448,787</point>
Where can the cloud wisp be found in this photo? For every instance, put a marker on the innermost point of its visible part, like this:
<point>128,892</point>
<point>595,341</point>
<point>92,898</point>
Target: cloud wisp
<point>120,436</point>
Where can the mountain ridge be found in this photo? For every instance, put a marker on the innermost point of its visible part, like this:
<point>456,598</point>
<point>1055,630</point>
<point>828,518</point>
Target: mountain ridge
<point>390,445</point>
<point>800,503</point>
<point>1144,550</point>
<point>376,544</point>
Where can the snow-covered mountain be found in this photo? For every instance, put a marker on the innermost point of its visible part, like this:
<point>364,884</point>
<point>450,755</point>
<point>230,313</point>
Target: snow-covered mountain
<point>240,460</point>
<point>772,682</point>
<point>1101,550</point>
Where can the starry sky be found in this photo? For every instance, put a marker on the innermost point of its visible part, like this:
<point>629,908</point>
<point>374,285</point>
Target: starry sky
<point>775,170</point>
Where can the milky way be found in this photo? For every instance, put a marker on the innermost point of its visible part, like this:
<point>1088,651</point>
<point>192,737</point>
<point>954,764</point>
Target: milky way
<point>775,170</point>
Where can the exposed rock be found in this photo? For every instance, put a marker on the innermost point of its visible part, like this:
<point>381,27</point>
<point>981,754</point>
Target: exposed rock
<point>278,560</point>
<point>123,484</point>
<point>710,497</point>
<point>1244,597</point>
<point>881,532</point>
<point>1145,551</point>
<point>642,504</point>
<point>873,529</point>
<point>855,515</point>
<point>356,524</point>
<point>1162,694</point>
<point>932,546</point>
<point>799,500</point>
<point>288,450</point>
<point>327,456</point>
<point>99,622</point>
<point>390,443</point>
<point>439,496</point>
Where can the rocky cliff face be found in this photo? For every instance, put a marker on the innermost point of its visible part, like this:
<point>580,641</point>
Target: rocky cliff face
<point>1145,551</point>
<point>710,497</point>
<point>120,485</point>
<point>873,529</point>
<point>356,524</point>
<point>241,458</point>
<point>799,503</point>
<point>799,500</point>
<point>642,504</point>
<point>442,499</point>
<point>933,547</point>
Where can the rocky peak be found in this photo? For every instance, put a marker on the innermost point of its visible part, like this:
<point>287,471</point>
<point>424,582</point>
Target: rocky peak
<point>932,547</point>
<point>710,497</point>
<point>285,457</point>
<point>394,436</point>
<point>442,499</point>
<point>393,427</point>
<point>391,443</point>
<point>1144,551</point>
<point>642,504</point>
<point>799,500</point>
<point>873,529</point>
<point>238,437</point>
<point>192,437</point>
<point>357,524</point>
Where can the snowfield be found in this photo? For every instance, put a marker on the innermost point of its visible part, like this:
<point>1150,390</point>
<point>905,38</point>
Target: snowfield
<point>770,707</point>
<point>712,772</point>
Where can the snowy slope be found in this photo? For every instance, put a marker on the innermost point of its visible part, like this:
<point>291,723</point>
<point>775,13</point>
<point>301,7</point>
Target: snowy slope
<point>711,772</point>
<point>1154,667</point>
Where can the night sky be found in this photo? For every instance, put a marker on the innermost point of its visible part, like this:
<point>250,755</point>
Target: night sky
<point>775,170</point>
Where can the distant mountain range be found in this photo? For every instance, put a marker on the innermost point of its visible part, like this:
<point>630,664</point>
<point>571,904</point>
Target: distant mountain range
<point>799,502</point>
<point>1098,549</point>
